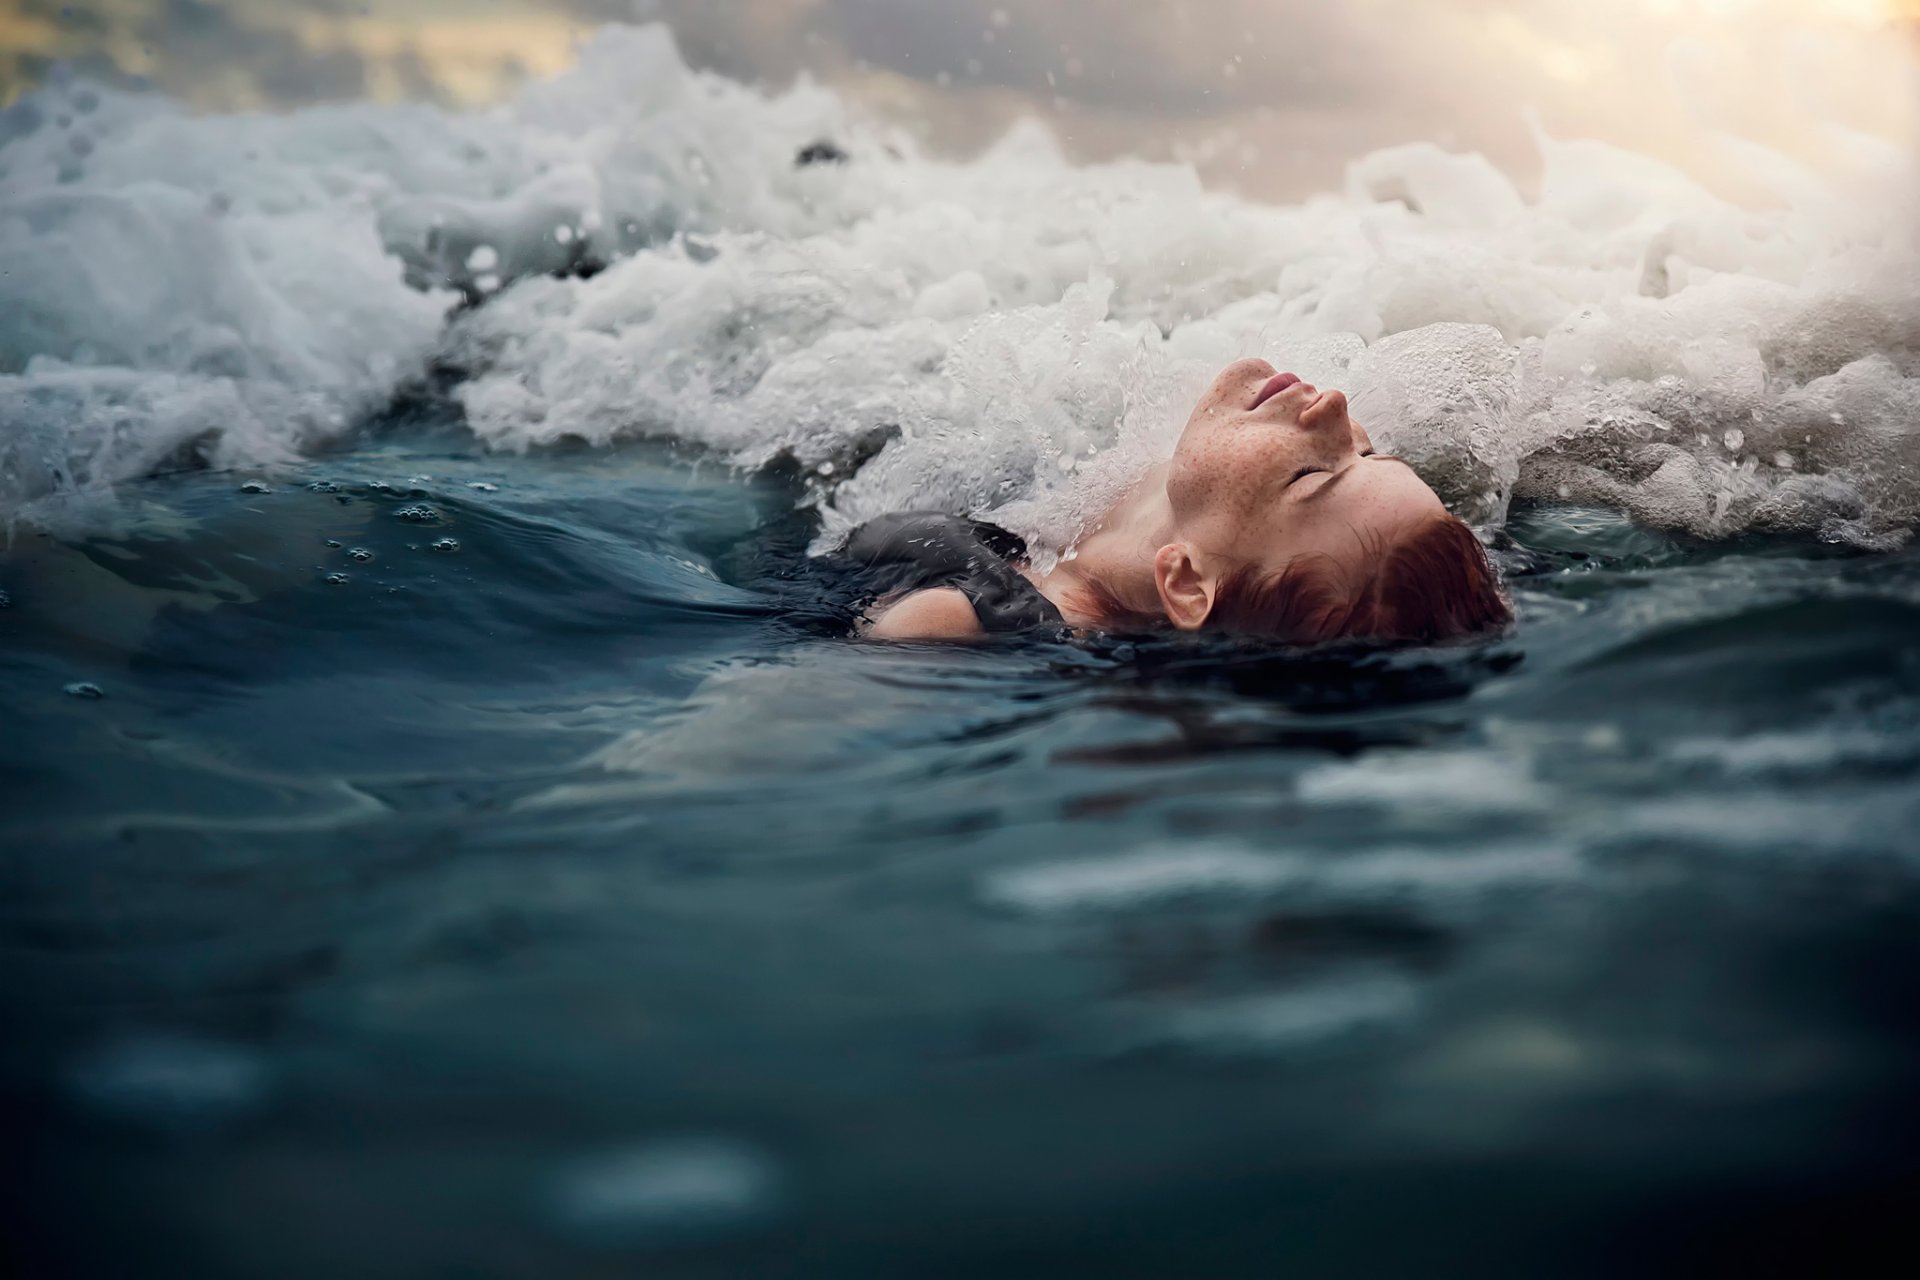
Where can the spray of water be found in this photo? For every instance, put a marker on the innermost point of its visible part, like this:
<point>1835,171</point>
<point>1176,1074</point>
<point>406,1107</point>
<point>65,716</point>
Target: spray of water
<point>1014,333</point>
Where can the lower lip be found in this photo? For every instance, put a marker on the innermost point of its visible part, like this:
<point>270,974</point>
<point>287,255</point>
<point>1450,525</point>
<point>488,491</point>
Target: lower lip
<point>1275,385</point>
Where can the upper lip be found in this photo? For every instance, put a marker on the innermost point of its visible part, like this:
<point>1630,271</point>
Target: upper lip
<point>1274,386</point>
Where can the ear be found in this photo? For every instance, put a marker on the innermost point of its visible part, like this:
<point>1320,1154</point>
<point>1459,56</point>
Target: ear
<point>1185,592</point>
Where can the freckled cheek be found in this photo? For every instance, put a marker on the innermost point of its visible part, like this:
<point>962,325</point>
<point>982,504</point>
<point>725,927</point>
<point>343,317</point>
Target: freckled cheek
<point>1222,476</point>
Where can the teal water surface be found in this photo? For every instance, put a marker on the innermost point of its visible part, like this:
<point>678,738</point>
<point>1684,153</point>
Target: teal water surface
<point>426,862</point>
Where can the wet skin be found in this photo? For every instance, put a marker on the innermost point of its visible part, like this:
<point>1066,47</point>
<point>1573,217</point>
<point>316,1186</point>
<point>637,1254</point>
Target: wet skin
<point>1269,469</point>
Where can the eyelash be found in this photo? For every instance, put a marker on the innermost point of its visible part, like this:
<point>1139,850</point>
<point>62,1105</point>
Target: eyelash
<point>1304,472</point>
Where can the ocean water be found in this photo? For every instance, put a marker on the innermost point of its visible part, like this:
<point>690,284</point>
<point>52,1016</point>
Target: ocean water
<point>443,835</point>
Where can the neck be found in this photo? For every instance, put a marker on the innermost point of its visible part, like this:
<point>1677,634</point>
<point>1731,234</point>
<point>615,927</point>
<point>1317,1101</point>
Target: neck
<point>1116,556</point>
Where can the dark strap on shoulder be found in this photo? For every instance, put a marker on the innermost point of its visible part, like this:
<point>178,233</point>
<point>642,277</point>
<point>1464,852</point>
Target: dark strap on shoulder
<point>914,551</point>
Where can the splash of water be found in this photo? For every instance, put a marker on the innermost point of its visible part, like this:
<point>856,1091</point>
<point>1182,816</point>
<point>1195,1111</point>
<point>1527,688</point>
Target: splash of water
<point>1013,333</point>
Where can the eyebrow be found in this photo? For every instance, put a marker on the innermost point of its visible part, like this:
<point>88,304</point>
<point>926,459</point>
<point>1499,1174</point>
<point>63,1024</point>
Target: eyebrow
<point>1344,472</point>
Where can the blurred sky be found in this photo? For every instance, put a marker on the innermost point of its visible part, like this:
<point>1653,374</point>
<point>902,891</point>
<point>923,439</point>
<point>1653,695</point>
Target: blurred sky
<point>1271,96</point>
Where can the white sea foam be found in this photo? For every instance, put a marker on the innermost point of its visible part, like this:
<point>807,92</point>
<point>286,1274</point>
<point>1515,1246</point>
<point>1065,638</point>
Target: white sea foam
<point>1459,782</point>
<point>665,1191</point>
<point>1165,873</point>
<point>1134,879</point>
<point>1269,1021</point>
<point>1026,332</point>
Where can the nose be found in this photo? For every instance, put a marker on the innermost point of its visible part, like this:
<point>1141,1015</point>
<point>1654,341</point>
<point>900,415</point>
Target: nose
<point>1325,417</point>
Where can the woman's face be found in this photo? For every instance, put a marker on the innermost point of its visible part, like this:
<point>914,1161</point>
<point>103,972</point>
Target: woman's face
<point>1271,468</point>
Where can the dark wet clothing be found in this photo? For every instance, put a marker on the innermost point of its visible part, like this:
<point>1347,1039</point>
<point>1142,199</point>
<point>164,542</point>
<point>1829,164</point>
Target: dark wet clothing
<point>916,551</point>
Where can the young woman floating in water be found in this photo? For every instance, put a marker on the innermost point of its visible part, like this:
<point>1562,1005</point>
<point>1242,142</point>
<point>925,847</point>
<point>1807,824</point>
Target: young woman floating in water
<point>1274,518</point>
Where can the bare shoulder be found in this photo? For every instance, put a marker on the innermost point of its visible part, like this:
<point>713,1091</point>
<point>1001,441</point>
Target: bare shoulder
<point>938,613</point>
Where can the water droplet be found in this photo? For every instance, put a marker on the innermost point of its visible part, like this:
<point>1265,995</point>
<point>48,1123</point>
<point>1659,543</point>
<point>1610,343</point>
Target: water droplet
<point>1733,439</point>
<point>82,689</point>
<point>335,543</point>
<point>481,486</point>
<point>323,486</point>
<point>255,486</point>
<point>360,554</point>
<point>825,468</point>
<point>489,283</point>
<point>447,545</point>
<point>336,579</point>
<point>418,513</point>
<point>563,234</point>
<point>483,258</point>
<point>1565,491</point>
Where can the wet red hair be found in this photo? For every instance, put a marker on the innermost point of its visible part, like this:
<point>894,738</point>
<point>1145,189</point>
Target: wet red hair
<point>1433,584</point>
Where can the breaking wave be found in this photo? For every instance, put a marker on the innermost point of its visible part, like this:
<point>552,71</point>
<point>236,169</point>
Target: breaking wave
<point>1014,332</point>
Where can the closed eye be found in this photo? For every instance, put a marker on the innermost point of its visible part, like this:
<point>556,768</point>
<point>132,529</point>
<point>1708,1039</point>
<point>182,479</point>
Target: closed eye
<point>1319,489</point>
